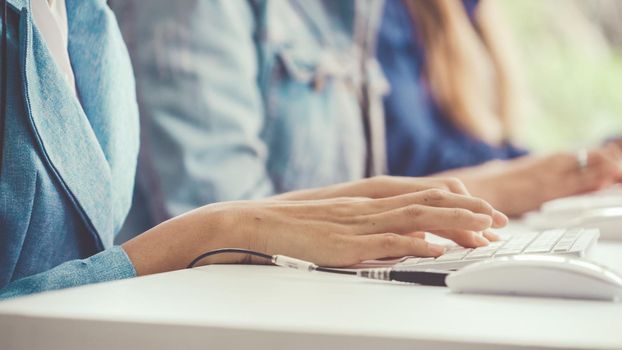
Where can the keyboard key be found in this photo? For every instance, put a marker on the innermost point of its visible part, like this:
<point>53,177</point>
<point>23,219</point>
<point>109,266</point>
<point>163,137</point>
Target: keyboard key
<point>551,235</point>
<point>409,262</point>
<point>508,251</point>
<point>425,261</point>
<point>457,249</point>
<point>573,233</point>
<point>539,248</point>
<point>527,236</point>
<point>455,255</point>
<point>480,254</point>
<point>563,246</point>
<point>496,244</point>
<point>582,243</point>
<point>567,240</point>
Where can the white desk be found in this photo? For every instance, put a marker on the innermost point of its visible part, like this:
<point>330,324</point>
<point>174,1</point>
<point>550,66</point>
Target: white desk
<point>262,307</point>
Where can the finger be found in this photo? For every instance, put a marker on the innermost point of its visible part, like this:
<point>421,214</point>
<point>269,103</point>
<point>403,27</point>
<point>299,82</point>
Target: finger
<point>444,199</point>
<point>613,151</point>
<point>598,173</point>
<point>451,184</point>
<point>390,245</point>
<point>491,236</point>
<point>499,219</point>
<point>602,170</point>
<point>423,218</point>
<point>417,234</point>
<point>457,186</point>
<point>439,198</point>
<point>389,186</point>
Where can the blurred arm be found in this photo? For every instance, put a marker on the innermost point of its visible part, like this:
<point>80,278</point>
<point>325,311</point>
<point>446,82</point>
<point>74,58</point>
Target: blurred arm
<point>196,65</point>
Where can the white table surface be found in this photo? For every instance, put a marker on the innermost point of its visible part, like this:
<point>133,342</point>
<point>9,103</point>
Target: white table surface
<point>259,307</point>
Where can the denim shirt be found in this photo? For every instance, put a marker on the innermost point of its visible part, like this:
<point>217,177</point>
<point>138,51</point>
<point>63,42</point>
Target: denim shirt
<point>68,165</point>
<point>244,99</point>
<point>421,139</point>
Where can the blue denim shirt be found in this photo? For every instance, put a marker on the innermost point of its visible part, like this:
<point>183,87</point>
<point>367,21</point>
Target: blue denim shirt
<point>68,167</point>
<point>243,99</point>
<point>421,140</point>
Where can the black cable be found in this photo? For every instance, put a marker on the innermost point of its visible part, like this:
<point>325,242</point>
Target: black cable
<point>343,272</point>
<point>423,277</point>
<point>426,278</point>
<point>261,255</point>
<point>3,94</point>
<point>227,250</point>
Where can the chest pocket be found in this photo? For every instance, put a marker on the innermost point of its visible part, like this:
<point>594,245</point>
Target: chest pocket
<point>313,124</point>
<point>317,68</point>
<point>306,45</point>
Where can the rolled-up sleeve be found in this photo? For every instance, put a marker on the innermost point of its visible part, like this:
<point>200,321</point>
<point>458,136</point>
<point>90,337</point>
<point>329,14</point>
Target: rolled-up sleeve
<point>111,264</point>
<point>201,105</point>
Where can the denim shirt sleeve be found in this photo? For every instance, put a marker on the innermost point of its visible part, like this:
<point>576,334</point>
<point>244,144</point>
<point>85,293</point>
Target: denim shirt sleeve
<point>201,105</point>
<point>110,264</point>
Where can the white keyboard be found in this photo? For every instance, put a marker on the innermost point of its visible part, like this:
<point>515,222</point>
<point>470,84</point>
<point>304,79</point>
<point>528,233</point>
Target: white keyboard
<point>574,242</point>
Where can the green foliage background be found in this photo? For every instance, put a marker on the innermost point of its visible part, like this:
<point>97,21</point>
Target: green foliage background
<point>572,71</point>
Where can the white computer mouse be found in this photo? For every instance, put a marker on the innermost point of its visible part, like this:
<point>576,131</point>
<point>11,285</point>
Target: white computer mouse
<point>538,275</point>
<point>570,206</point>
<point>607,220</point>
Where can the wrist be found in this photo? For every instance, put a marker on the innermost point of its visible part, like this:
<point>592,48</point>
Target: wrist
<point>173,244</point>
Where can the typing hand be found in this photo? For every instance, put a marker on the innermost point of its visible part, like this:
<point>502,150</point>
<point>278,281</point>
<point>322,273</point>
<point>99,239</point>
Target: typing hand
<point>521,185</point>
<point>330,232</point>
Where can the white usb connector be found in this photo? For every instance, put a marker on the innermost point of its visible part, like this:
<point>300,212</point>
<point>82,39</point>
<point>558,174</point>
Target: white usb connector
<point>292,263</point>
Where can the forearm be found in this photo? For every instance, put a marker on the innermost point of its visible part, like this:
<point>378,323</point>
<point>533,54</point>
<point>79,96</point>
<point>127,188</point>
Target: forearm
<point>505,184</point>
<point>173,244</point>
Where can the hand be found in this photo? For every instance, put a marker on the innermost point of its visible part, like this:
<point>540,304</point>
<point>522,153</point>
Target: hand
<point>613,152</point>
<point>379,187</point>
<point>615,141</point>
<point>332,232</point>
<point>522,185</point>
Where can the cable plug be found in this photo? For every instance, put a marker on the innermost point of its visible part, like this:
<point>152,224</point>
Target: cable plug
<point>292,263</point>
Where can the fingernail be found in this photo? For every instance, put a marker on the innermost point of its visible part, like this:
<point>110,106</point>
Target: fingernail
<point>481,241</point>
<point>436,249</point>
<point>500,219</point>
<point>484,219</point>
<point>491,236</point>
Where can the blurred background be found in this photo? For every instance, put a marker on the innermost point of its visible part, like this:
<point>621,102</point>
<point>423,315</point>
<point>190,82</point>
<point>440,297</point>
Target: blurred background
<point>570,53</point>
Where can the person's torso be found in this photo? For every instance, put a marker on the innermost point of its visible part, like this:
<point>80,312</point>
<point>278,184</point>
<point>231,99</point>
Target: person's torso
<point>421,139</point>
<point>313,56</point>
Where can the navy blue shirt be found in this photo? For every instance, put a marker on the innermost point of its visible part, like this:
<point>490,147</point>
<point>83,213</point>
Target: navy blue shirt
<point>421,140</point>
